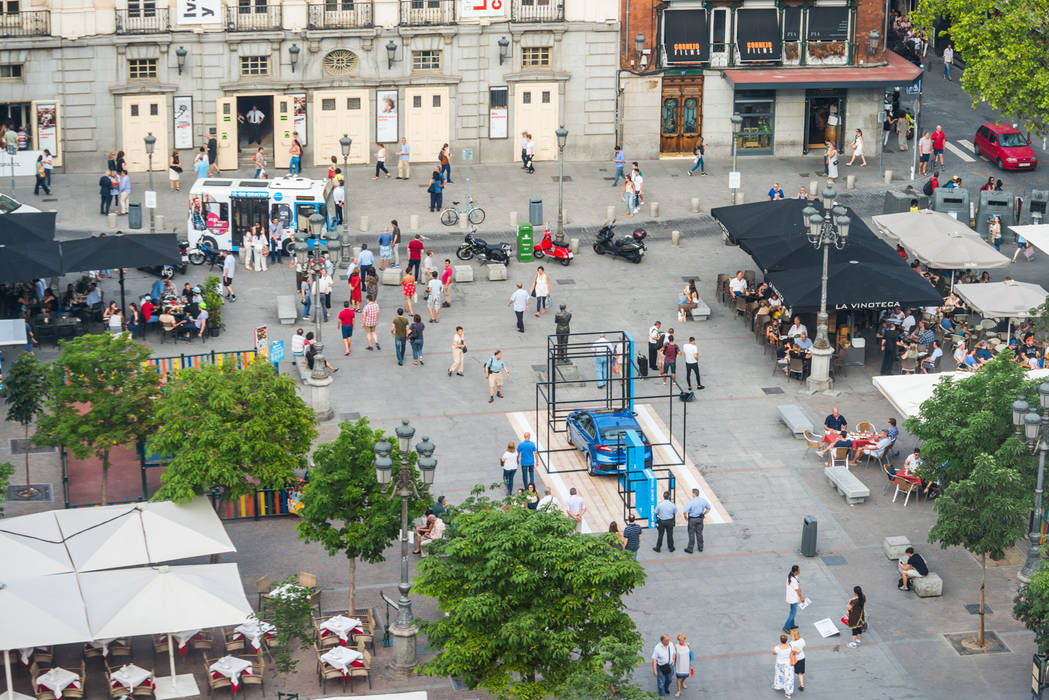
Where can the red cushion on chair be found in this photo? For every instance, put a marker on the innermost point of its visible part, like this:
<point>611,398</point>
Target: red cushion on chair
<point>116,684</point>
<point>358,663</point>
<point>325,632</point>
<point>182,650</point>
<point>216,675</point>
<point>358,630</point>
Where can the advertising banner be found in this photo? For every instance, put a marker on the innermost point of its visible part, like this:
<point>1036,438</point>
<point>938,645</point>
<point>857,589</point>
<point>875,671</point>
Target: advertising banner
<point>758,37</point>
<point>300,115</point>
<point>386,116</point>
<point>183,116</point>
<point>198,11</point>
<point>482,8</point>
<point>47,127</point>
<point>685,36</point>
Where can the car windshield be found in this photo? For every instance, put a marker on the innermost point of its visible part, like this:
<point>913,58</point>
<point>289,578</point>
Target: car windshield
<point>617,434</point>
<point>1013,140</point>
<point>7,205</point>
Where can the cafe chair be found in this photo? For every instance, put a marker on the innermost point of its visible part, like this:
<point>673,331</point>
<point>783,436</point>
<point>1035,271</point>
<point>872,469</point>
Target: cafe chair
<point>837,363</point>
<point>258,671</point>
<point>364,672</point>
<point>43,657</point>
<point>215,681</point>
<point>741,307</point>
<point>811,441</point>
<point>797,366</point>
<point>160,645</point>
<point>145,688</point>
<point>327,673</point>
<point>115,692</point>
<point>890,479</point>
<point>91,652</point>
<point>262,588</point>
<point>721,287</point>
<point>324,641</point>
<point>905,485</point>
<point>307,580</point>
<point>77,693</point>
<point>44,694</point>
<point>908,365</point>
<point>839,457</point>
<point>120,651</point>
<point>35,670</point>
<point>865,426</point>
<point>233,641</point>
<point>751,277</point>
<point>202,641</point>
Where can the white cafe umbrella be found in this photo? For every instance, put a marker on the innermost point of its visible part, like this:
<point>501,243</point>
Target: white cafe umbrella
<point>164,600</point>
<point>1007,299</point>
<point>31,545</point>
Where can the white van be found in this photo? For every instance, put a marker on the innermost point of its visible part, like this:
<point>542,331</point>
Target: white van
<point>9,205</point>
<point>222,209</point>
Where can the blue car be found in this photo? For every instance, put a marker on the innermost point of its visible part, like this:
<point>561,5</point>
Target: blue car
<point>600,436</point>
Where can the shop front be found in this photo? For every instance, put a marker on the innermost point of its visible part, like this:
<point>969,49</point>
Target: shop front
<point>686,47</point>
<point>37,126</point>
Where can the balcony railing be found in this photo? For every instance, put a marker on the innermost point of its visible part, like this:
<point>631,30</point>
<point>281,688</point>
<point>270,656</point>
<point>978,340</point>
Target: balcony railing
<point>31,23</point>
<point>340,15</point>
<point>253,18</point>
<point>418,12</point>
<point>538,11</point>
<point>152,21</point>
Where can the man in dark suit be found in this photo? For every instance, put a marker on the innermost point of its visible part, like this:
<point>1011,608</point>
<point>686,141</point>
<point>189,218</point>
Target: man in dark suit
<point>104,184</point>
<point>213,153</point>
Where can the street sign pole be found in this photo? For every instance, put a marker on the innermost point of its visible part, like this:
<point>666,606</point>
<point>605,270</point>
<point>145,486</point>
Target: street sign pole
<point>12,150</point>
<point>468,155</point>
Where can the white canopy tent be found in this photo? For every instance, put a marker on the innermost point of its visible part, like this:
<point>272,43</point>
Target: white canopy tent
<point>1037,234</point>
<point>31,546</point>
<point>938,240</point>
<point>907,392</point>
<point>1008,299</point>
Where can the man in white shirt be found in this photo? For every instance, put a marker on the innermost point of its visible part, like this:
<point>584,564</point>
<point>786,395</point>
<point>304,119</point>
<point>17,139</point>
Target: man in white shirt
<point>935,354</point>
<point>910,464</point>
<point>604,355</point>
<point>737,285</point>
<point>255,118</point>
<point>530,154</point>
<point>909,322</point>
<point>519,300</point>
<point>547,502</point>
<point>338,195</point>
<point>655,341</point>
<point>524,150</point>
<point>690,351</point>
<point>575,508</point>
<point>797,329</point>
<point>324,284</point>
<point>404,160</point>
<point>434,294</point>
<point>229,266</point>
<point>948,60</point>
<point>664,658</point>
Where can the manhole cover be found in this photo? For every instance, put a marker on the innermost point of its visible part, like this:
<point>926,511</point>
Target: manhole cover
<point>564,281</point>
<point>772,390</point>
<point>18,447</point>
<point>43,493</point>
<point>834,560</point>
<point>349,416</point>
<point>974,608</point>
<point>568,178</point>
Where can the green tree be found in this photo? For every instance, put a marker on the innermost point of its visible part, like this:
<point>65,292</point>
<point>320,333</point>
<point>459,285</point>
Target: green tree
<point>607,676</point>
<point>25,389</point>
<point>212,294</point>
<point>99,397</point>
<point>1031,606</point>
<point>235,429</point>
<point>528,603</point>
<point>292,616</point>
<point>6,470</point>
<point>345,508</point>
<point>1005,45</point>
<point>984,513</point>
<point>973,416</point>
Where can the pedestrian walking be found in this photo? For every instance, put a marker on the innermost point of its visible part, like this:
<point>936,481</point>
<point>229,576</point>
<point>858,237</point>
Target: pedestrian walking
<point>415,337</point>
<point>526,450</point>
<point>346,318</point>
<point>385,249</point>
<point>509,464</point>
<point>669,368</point>
<point>380,162</point>
<point>632,534</point>
<point>886,131</point>
<point>229,268</point>
<point>458,350</point>
<point>857,149</point>
<point>338,195</point>
<point>306,294</point>
<point>924,153</point>
<point>697,157</point>
<point>371,284</point>
<point>939,140</point>
<point>540,289</point>
<point>783,677</point>
<point>296,155</point>
<point>399,331</point>
<point>832,162</point>
<point>683,662</point>
<point>49,164</point>
<point>902,126</point>
<point>174,172</point>
<point>619,161</point>
<point>798,645</point>
<point>613,528</point>
<point>524,150</point>
<point>695,511</point>
<point>530,155</point>
<point>370,321</point>
<point>663,664</point>
<point>794,596</point>
<point>494,371</point>
<point>404,160</point>
<point>690,351</point>
<point>434,295</point>
<point>445,159</point>
<point>575,508</point>
<point>436,190</point>
<point>249,249</point>
<point>408,289</point>
<point>260,163</point>
<point>427,266</point>
<point>856,619</point>
<point>665,513</point>
<point>948,61</point>
<point>415,254</point>
<point>629,195</point>
<point>41,177</point>
<point>447,279</point>
<point>519,300</point>
<point>201,167</point>
<point>604,357</point>
<point>396,231</point>
<point>324,285</point>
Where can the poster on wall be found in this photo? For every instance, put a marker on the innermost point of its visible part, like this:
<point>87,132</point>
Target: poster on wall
<point>183,116</point>
<point>198,11</point>
<point>758,35</point>
<point>685,36</point>
<point>828,24</point>
<point>482,8</point>
<point>497,112</point>
<point>300,115</point>
<point>47,127</point>
<point>386,116</point>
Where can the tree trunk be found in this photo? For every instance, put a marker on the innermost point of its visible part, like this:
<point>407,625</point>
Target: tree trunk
<point>28,485</point>
<point>353,585</point>
<point>105,477</point>
<point>983,581</point>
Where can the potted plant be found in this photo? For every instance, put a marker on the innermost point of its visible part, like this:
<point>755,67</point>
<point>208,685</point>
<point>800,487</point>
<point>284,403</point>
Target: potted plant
<point>213,298</point>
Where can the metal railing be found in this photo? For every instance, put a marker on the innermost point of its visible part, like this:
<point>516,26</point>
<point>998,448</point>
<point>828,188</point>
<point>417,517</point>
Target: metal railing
<point>537,11</point>
<point>31,23</point>
<point>253,18</point>
<point>152,21</point>
<point>168,366</point>
<point>418,12</point>
<point>340,15</point>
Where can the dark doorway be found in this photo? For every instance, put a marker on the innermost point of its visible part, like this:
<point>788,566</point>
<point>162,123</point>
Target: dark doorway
<point>246,132</point>
<point>245,213</point>
<point>681,114</point>
<point>825,119</point>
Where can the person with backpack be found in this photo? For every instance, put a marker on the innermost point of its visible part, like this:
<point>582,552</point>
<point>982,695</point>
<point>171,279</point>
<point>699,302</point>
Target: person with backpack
<point>930,186</point>
<point>494,370</point>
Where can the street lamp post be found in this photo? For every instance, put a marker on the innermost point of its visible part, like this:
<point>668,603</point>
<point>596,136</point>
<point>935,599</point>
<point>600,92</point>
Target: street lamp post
<point>737,122</point>
<point>12,151</point>
<point>831,229</point>
<point>151,143</point>
<point>1034,430</point>
<point>562,139</point>
<point>345,142</point>
<point>404,630</point>
<point>318,380</point>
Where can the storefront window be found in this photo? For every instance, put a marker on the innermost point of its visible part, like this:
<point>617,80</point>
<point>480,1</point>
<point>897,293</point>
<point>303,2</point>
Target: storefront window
<point>756,132</point>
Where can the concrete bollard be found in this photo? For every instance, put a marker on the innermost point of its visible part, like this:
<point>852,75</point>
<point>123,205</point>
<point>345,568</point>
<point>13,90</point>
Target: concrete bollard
<point>159,221</point>
<point>887,177</point>
<point>513,219</point>
<point>111,218</point>
<point>413,222</point>
<point>573,243</point>
<point>364,224</point>
<point>694,208</point>
<point>850,182</point>
<point>610,212</point>
<point>814,189</point>
<point>463,223</point>
<point>675,238</point>
<point>654,209</point>
<point>738,197</point>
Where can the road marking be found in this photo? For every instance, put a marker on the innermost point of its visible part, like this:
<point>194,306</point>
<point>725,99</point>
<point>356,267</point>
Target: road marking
<point>959,152</point>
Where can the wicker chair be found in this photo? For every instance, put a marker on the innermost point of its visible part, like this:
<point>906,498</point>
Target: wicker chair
<point>160,644</point>
<point>145,688</point>
<point>117,690</point>
<point>77,693</point>
<point>215,683</point>
<point>812,441</point>
<point>262,588</point>
<point>258,671</point>
<point>233,641</point>
<point>865,427</point>
<point>307,580</point>
<point>796,366</point>
<point>324,642</point>
<point>327,673</point>
<point>362,672</point>
<point>202,641</point>
<point>839,457</point>
<point>120,651</point>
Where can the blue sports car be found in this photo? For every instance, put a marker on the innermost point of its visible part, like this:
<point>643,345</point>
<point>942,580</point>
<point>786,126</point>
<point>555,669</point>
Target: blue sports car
<point>600,436</point>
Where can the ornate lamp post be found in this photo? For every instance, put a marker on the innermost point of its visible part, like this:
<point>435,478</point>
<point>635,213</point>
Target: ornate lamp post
<point>404,630</point>
<point>1034,430</point>
<point>737,123</point>
<point>345,142</point>
<point>151,143</point>
<point>319,380</point>
<point>831,229</point>
<point>562,139</point>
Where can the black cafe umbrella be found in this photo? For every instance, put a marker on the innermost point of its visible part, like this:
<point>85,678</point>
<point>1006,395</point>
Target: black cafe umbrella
<point>854,286</point>
<point>31,225</point>
<point>120,251</point>
<point>28,259</point>
<point>792,249</point>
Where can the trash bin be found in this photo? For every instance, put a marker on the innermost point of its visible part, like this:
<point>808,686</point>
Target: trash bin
<point>525,244</point>
<point>134,215</point>
<point>808,536</point>
<point>535,212</point>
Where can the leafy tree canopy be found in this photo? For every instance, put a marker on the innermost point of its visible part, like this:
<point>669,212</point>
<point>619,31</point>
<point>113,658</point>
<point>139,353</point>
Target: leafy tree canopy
<point>25,388</point>
<point>1031,606</point>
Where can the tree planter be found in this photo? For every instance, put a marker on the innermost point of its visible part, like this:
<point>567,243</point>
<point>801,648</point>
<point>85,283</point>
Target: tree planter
<point>826,49</point>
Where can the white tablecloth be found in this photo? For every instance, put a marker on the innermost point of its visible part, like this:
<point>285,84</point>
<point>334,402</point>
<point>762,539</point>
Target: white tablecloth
<point>342,626</point>
<point>253,631</point>
<point>130,676</point>
<point>27,654</point>
<point>341,658</point>
<point>288,590</point>
<point>231,667</point>
<point>184,637</point>
<point>103,644</point>
<point>58,679</point>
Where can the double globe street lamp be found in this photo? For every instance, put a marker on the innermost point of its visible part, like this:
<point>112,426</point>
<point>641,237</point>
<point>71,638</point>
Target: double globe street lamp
<point>830,229</point>
<point>345,142</point>
<point>318,380</point>
<point>1033,429</point>
<point>562,139</point>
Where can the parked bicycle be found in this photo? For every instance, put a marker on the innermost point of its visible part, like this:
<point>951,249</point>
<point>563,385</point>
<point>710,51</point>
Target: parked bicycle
<point>474,214</point>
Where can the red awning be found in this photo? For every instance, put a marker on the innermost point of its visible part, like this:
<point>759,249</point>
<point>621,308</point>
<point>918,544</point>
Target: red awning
<point>899,72</point>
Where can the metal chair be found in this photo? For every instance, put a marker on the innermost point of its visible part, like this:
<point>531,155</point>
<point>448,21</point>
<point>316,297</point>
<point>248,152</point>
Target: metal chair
<point>906,485</point>
<point>811,441</point>
<point>865,427</point>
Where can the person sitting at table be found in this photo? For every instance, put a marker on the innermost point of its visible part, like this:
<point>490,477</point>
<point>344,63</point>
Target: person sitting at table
<point>835,422</point>
<point>147,308</point>
<point>803,342</point>
<point>134,320</point>
<point>842,441</point>
<point>1029,354</point>
<point>909,322</point>
<point>94,298</point>
<point>760,294</point>
<point>910,465</point>
<point>776,305</point>
<point>68,297</point>
<point>924,335</point>
<point>168,322</point>
<point>196,296</point>
<point>798,328</point>
<point>187,293</point>
<point>935,353</point>
<point>109,311</point>
<point>896,316</point>
<point>772,334</point>
<point>892,429</point>
<point>983,353</point>
<point>737,285</point>
<point>169,291</point>
<point>200,322</point>
<point>876,450</point>
<point>910,352</point>
<point>946,324</point>
<point>49,300</point>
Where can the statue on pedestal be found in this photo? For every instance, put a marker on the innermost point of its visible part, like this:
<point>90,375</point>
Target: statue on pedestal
<point>561,321</point>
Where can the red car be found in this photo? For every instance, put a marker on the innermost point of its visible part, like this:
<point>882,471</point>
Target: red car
<point>1005,146</point>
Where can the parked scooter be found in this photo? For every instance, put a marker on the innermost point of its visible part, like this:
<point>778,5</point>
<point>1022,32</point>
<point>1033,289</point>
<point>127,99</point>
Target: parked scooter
<point>485,252</point>
<point>632,248</point>
<point>547,246</point>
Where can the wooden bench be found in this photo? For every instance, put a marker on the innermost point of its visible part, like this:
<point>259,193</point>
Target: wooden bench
<point>854,490</point>
<point>794,418</point>
<point>287,310</point>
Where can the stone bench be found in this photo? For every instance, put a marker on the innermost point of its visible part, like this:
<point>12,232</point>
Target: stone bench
<point>701,312</point>
<point>287,310</point>
<point>794,418</point>
<point>854,490</point>
<point>895,547</point>
<point>928,586</point>
<point>464,273</point>
<point>496,273</point>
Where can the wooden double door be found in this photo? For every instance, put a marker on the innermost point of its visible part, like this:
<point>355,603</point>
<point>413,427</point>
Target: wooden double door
<point>681,114</point>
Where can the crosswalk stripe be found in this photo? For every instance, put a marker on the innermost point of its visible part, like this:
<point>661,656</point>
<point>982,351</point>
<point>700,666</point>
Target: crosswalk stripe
<point>959,152</point>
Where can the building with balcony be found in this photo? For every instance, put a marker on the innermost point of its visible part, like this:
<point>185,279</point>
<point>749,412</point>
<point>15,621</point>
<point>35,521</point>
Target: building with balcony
<point>90,76</point>
<point>798,72</point>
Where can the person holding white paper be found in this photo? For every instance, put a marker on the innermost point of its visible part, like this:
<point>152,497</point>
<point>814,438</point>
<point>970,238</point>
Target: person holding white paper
<point>794,596</point>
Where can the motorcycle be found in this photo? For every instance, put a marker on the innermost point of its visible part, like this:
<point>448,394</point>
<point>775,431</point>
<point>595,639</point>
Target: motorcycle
<point>632,248</point>
<point>485,252</point>
<point>168,271</point>
<point>205,253</point>
<point>547,246</point>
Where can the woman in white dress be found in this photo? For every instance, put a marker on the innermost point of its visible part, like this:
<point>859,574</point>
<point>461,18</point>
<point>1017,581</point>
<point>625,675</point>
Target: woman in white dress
<point>541,290</point>
<point>260,245</point>
<point>832,162</point>
<point>248,247</point>
<point>682,664</point>
<point>857,149</point>
<point>784,676</point>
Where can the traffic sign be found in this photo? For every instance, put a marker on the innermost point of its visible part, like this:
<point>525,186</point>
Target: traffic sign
<point>468,154</point>
<point>151,199</point>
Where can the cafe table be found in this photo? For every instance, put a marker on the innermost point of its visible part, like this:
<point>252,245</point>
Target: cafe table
<point>130,676</point>
<point>342,658</point>
<point>231,667</point>
<point>254,631</point>
<point>56,680</point>
<point>184,639</point>
<point>341,626</point>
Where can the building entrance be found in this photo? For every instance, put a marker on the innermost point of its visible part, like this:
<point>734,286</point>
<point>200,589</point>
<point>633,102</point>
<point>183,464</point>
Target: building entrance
<point>251,136</point>
<point>681,114</point>
<point>824,119</point>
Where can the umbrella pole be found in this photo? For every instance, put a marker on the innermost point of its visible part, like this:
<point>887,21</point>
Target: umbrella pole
<point>171,659</point>
<point>122,304</point>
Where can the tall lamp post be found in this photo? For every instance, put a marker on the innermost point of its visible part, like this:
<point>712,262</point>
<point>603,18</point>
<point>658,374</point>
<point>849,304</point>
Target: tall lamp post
<point>345,142</point>
<point>151,143</point>
<point>12,151</point>
<point>1034,430</point>
<point>831,229</point>
<point>404,630</point>
<point>562,139</point>
<point>734,179</point>
<point>319,380</point>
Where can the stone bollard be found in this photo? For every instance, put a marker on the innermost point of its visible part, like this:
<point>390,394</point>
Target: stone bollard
<point>513,219</point>
<point>675,238</point>
<point>610,212</point>
<point>159,221</point>
<point>814,189</point>
<point>738,197</point>
<point>463,223</point>
<point>850,182</point>
<point>887,177</point>
<point>573,243</point>
<point>111,218</point>
<point>413,222</point>
<point>364,224</point>
<point>694,208</point>
<point>654,209</point>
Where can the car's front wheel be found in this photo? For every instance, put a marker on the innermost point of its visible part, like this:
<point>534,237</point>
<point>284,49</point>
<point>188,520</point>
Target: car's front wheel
<point>590,465</point>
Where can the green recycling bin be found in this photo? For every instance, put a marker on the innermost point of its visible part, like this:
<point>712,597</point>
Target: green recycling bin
<point>525,245</point>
